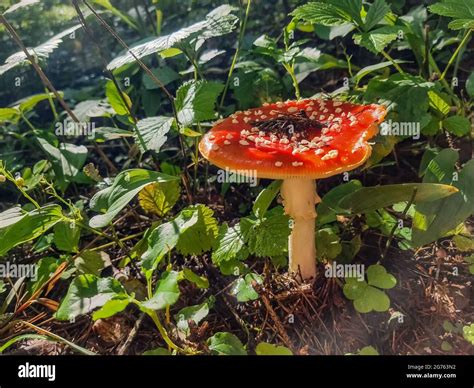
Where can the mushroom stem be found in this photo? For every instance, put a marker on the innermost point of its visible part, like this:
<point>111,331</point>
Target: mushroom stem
<point>299,199</point>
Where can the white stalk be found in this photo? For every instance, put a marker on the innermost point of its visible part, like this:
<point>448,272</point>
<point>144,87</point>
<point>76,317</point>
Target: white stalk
<point>299,199</point>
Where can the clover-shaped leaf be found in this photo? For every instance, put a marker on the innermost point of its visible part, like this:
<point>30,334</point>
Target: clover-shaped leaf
<point>378,276</point>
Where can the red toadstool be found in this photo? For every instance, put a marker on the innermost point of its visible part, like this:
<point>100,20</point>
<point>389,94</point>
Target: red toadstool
<point>298,142</point>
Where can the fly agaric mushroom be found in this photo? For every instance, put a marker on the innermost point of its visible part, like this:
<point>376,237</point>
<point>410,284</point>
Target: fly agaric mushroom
<point>298,142</point>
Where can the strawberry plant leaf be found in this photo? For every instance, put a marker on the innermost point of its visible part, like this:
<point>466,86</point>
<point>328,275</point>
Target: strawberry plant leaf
<point>376,40</point>
<point>461,11</point>
<point>195,101</point>
<point>151,133</point>
<point>226,344</point>
<point>321,13</point>
<point>230,245</point>
<point>375,14</point>
<point>457,125</point>
<point>86,293</point>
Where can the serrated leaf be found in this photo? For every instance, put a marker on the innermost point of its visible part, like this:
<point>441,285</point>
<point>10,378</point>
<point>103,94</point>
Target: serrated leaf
<point>166,293</point>
<point>377,11</point>
<point>376,40</point>
<point>218,22</point>
<point>457,125</point>
<point>226,344</point>
<point>113,199</point>
<point>461,11</point>
<point>151,133</point>
<point>159,198</point>
<point>86,293</point>
<point>201,236</point>
<point>266,349</point>
<point>42,51</point>
<point>195,101</point>
<point>230,245</point>
<point>321,13</point>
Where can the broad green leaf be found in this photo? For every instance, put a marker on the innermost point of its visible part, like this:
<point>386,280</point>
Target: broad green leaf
<point>468,333</point>
<point>66,236</point>
<point>166,293</point>
<point>434,219</point>
<point>192,313</point>
<point>159,198</point>
<point>368,351</point>
<point>377,11</point>
<point>354,289</point>
<point>195,101</point>
<point>376,40</point>
<point>86,293</point>
<point>91,262</point>
<point>438,102</point>
<point>112,307</point>
<point>328,244</point>
<point>151,133</point>
<point>126,185</point>
<point>230,245</point>
<point>29,103</point>
<point>109,7</point>
<point>371,68</point>
<point>265,198</point>
<point>201,236</point>
<point>165,237</point>
<point>463,243</point>
<point>373,299</point>
<point>9,114</point>
<point>378,276</point>
<point>157,352</point>
<point>21,229</point>
<point>218,22</point>
<point>120,102</point>
<point>372,198</point>
<point>226,344</point>
<point>243,289</point>
<point>328,207</point>
<point>266,349</point>
<point>199,281</point>
<point>469,87</point>
<point>457,125</point>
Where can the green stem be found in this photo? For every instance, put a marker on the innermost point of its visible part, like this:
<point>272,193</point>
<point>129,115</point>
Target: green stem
<point>243,26</point>
<point>395,64</point>
<point>291,71</point>
<point>453,57</point>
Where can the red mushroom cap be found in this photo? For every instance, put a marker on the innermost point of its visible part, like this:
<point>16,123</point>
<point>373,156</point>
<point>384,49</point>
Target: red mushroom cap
<point>305,138</point>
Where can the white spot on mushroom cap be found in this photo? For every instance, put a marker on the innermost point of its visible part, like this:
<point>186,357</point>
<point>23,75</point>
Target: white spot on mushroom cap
<point>227,142</point>
<point>330,155</point>
<point>278,164</point>
<point>243,142</point>
<point>292,109</point>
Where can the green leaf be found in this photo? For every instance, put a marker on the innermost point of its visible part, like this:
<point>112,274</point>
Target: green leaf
<point>109,7</point>
<point>376,40</point>
<point>265,198</point>
<point>463,243</point>
<point>201,236</point>
<point>126,185</point>
<point>226,344</point>
<point>165,74</point>
<point>373,299</point>
<point>434,219</point>
<point>199,281</point>
<point>438,102</point>
<point>378,276</point>
<point>166,294</point>
<point>457,125</point>
<point>112,307</point>
<point>230,245</point>
<point>195,101</point>
<point>269,236</point>
<point>461,11</point>
<point>120,101</point>
<point>368,351</point>
<point>9,114</point>
<point>91,262</point>
<point>328,244</point>
<point>218,22</point>
<point>469,87</point>
<point>86,293</point>
<point>165,237</point>
<point>354,289</point>
<point>17,228</point>
<point>372,198</point>
<point>159,198</point>
<point>29,103</point>
<point>377,11</point>
<point>243,287</point>
<point>66,236</point>
<point>328,208</point>
<point>2,287</point>
<point>321,13</point>
<point>468,333</point>
<point>157,352</point>
<point>45,268</point>
<point>192,313</point>
<point>266,349</point>
<point>151,133</point>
